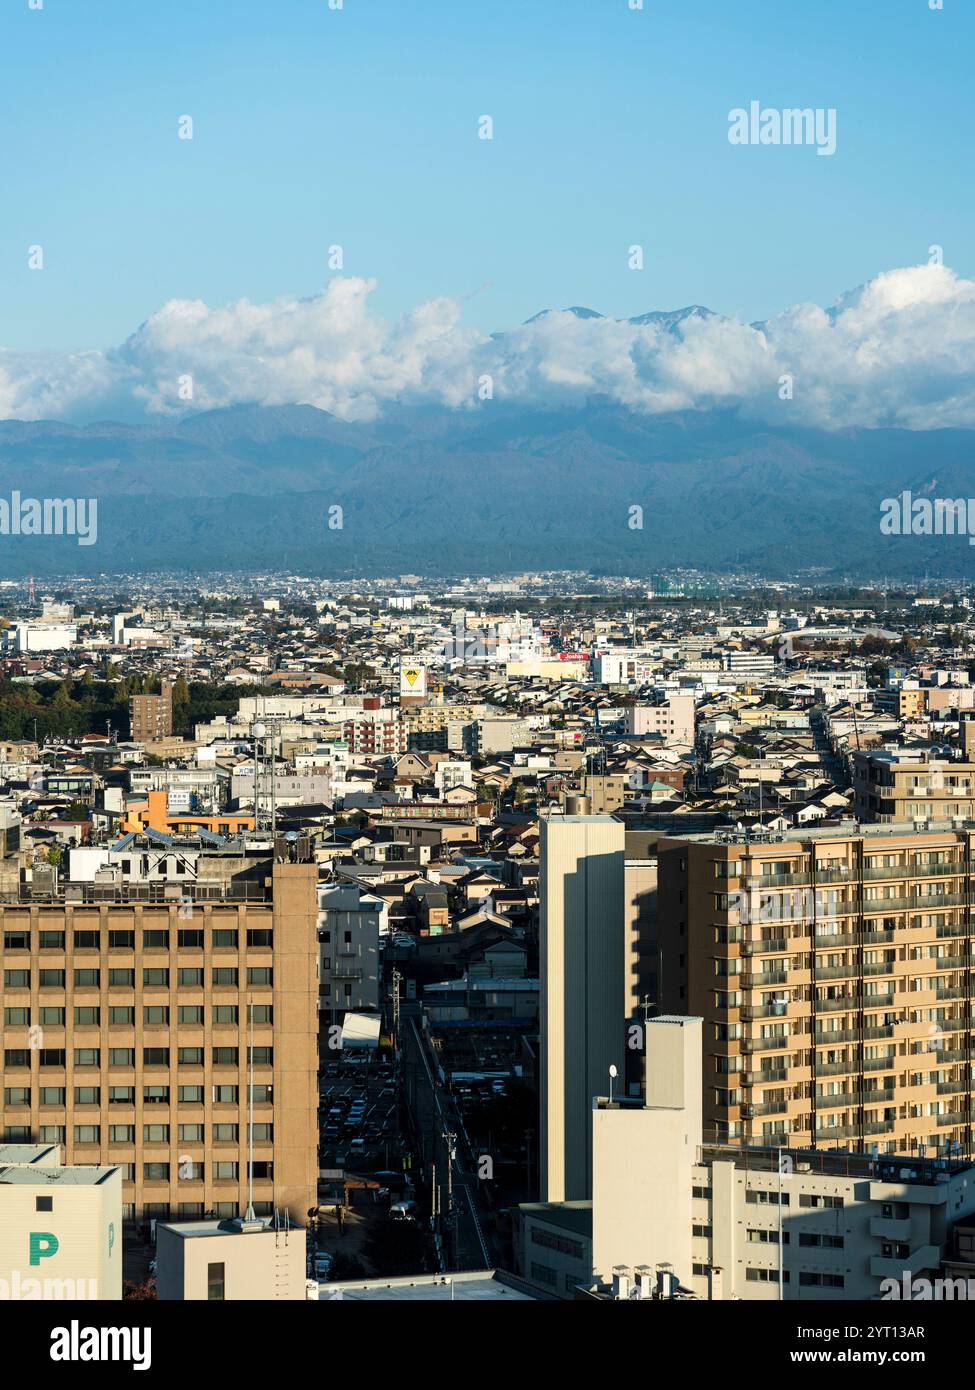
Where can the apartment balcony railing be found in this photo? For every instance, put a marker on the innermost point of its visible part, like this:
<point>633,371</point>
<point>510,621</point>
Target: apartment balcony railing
<point>952,1088</point>
<point>879,1030</point>
<point>770,1107</point>
<point>845,1001</point>
<point>953,929</point>
<point>842,1035</point>
<point>759,979</point>
<point>779,1010</point>
<point>834,1068</point>
<point>837,972</point>
<point>761,945</point>
<point>879,967</point>
<point>764,1078</point>
<point>837,1132</point>
<point>878,1063</point>
<point>953,1117</point>
<point>953,992</point>
<point>766,1044</point>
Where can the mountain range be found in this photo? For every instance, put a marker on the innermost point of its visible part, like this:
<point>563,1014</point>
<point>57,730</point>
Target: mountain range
<point>499,488</point>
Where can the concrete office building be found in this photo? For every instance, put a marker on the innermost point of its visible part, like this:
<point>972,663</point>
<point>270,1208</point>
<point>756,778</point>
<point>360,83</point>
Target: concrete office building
<point>672,1211</point>
<point>583,989</point>
<point>60,1227</point>
<point>223,1261</point>
<point>833,969</point>
<point>125,1032</point>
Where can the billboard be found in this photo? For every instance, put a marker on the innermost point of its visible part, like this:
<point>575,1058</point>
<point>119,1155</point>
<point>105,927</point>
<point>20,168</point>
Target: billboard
<point>413,680</point>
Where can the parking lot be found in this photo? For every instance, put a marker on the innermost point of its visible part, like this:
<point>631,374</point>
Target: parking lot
<point>358,1117</point>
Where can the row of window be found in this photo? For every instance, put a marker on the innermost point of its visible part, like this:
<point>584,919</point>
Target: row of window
<point>19,1057</point>
<point>807,1278</point>
<point>53,1016</point>
<point>125,1095</point>
<point>771,1197</point>
<point>153,939</point>
<point>188,977</point>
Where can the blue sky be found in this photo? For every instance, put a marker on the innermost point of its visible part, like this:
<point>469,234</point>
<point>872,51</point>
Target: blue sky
<point>358,127</point>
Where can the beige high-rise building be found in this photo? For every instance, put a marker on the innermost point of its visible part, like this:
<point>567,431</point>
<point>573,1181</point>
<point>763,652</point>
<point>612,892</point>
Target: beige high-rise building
<point>583,990</point>
<point>125,1034</point>
<point>906,786</point>
<point>833,971</point>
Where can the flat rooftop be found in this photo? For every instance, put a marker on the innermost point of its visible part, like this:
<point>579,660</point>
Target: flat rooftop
<point>49,1154</point>
<point>36,1176</point>
<point>838,830</point>
<point>837,1163</point>
<point>480,1286</point>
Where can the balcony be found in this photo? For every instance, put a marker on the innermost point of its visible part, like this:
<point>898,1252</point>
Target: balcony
<point>777,1010</point>
<point>845,1001</point>
<point>832,1132</point>
<point>895,1267</point>
<point>770,1107</point>
<point>760,979</point>
<point>780,1044</point>
<point>889,1228</point>
<point>764,1078</point>
<point>951,1117</point>
<point>769,944</point>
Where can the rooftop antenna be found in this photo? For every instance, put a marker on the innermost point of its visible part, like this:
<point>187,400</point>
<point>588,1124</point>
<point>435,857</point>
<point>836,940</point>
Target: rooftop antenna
<point>613,1073</point>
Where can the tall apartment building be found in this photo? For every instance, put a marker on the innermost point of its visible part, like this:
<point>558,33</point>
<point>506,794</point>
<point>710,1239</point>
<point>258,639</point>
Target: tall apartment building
<point>125,1033</point>
<point>904,785</point>
<point>833,971</point>
<point>583,989</point>
<point>151,716</point>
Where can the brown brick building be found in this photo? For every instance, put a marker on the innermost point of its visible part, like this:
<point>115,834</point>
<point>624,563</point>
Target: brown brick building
<point>151,716</point>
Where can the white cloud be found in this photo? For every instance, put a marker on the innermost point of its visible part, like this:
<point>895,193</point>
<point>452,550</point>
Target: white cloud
<point>898,351</point>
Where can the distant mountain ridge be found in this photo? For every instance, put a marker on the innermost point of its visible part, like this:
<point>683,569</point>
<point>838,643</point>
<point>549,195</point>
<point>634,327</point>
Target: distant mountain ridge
<point>497,488</point>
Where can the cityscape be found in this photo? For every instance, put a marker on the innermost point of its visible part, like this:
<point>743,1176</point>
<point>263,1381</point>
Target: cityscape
<point>487,783</point>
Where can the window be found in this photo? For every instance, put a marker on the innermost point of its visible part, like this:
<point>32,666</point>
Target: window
<point>190,937</point>
<point>51,941</point>
<point>121,979</point>
<point>87,940</point>
<point>224,937</point>
<point>51,979</point>
<point>121,1134</point>
<point>155,1056</point>
<point>225,1095</point>
<point>52,1095</point>
<point>123,1014</point>
<point>817,1199</point>
<point>226,1171</point>
<point>226,1134</point>
<point>225,1056</point>
<point>261,1056</point>
<point>155,1134</point>
<point>191,976</point>
<point>190,1134</point>
<point>155,1095</point>
<point>121,940</point>
<point>156,975</point>
<point>87,979</point>
<point>16,940</point>
<point>190,1056</point>
<point>155,940</point>
<point>264,1013</point>
<point>191,1095</point>
<point>52,1015</point>
<point>16,979</point>
<point>87,1134</point>
<point>87,1095</point>
<point>260,975</point>
<point>52,1057</point>
<point>43,1203</point>
<point>191,1013</point>
<point>121,1056</point>
<point>87,1016</point>
<point>16,1057</point>
<point>263,936</point>
<point>225,1013</point>
<point>155,1014</point>
<point>16,1095</point>
<point>87,1056</point>
<point>155,1172</point>
<point>224,975</point>
<point>17,1018</point>
<point>216,1287</point>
